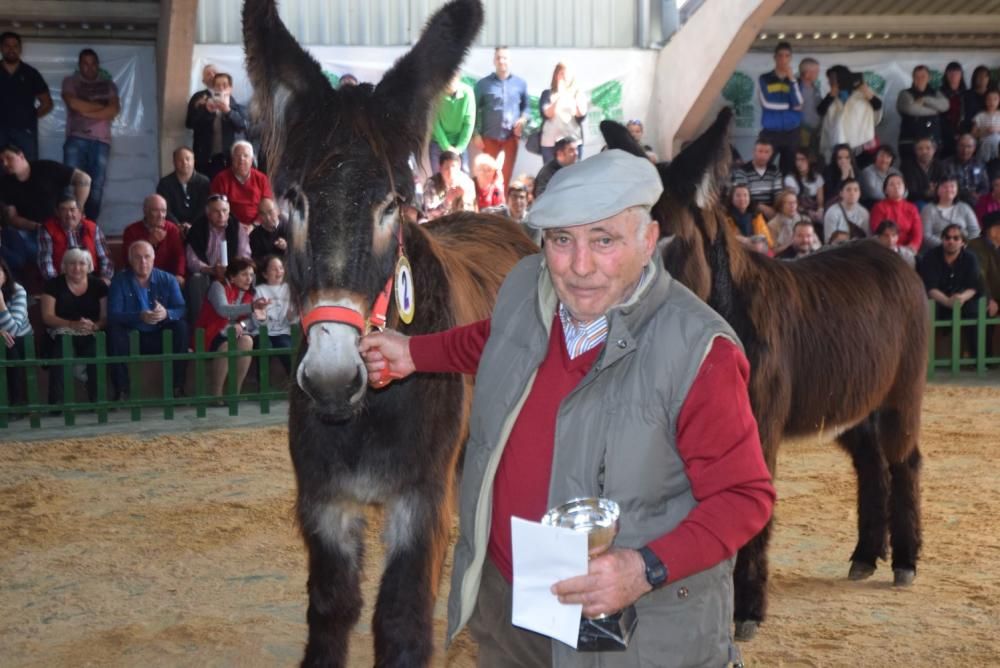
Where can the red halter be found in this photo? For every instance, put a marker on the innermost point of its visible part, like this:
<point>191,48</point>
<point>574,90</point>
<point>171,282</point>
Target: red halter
<point>349,316</point>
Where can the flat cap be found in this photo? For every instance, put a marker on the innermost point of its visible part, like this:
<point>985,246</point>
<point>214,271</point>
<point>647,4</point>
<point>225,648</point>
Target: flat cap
<point>595,189</point>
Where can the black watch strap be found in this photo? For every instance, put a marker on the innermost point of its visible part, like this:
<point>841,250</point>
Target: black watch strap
<point>656,572</point>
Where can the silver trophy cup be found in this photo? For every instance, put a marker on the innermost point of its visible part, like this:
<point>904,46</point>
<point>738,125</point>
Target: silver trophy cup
<point>598,518</point>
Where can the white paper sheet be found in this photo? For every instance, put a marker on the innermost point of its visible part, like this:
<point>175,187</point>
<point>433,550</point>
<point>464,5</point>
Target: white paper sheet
<point>542,556</point>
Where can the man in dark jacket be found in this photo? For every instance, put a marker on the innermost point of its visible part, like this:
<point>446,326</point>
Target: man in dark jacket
<point>184,189</point>
<point>217,121</point>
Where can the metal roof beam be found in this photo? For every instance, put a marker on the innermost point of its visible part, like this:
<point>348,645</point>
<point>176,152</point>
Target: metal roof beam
<point>52,10</point>
<point>906,23</point>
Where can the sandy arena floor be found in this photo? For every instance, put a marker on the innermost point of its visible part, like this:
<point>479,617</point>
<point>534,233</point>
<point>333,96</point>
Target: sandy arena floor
<point>182,551</point>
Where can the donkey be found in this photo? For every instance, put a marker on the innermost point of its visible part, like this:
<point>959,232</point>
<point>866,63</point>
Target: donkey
<point>837,343</point>
<point>339,158</point>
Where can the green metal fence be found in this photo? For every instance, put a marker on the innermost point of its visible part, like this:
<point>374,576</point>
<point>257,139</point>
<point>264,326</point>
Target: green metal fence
<point>201,399</point>
<point>957,326</point>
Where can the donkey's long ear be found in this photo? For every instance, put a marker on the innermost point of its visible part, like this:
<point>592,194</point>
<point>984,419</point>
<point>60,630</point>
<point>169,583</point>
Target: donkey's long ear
<point>701,170</point>
<point>408,90</point>
<point>285,78</point>
<point>616,136</point>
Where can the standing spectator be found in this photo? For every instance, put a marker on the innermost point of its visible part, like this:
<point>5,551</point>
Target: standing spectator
<point>920,108</point>
<point>489,181</point>
<point>270,236</point>
<point>804,242</point>
<point>454,121</point>
<point>450,189</point>
<point>947,211</point>
<point>782,225</point>
<point>199,99</point>
<point>903,213</point>
<point>989,202</point>
<point>565,155</point>
<point>811,120</point>
<point>953,89</point>
<point>847,214</point>
<point>743,221</point>
<point>951,278</point>
<point>243,184</point>
<point>231,304</point>
<point>975,96</point>
<point>216,239</point>
<point>21,86</point>
<point>986,126</point>
<point>184,190</point>
<point>840,169</point>
<point>922,173</point>
<point>74,304</point>
<point>91,104</point>
<point>781,107</point>
<point>761,177</point>
<point>987,251</point>
<point>217,121</point>
<point>873,177</point>
<point>14,326</point>
<point>501,112</point>
<point>887,234</point>
<point>850,112</point>
<point>148,300</point>
<point>69,228</point>
<point>562,106</point>
<point>807,184</point>
<point>970,170</point>
<point>30,191</point>
<point>280,310</point>
<point>161,234</point>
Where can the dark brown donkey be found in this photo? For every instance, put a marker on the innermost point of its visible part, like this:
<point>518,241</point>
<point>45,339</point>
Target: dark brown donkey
<point>339,162</point>
<point>837,343</point>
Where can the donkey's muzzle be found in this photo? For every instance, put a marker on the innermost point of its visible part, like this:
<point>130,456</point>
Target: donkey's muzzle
<point>331,371</point>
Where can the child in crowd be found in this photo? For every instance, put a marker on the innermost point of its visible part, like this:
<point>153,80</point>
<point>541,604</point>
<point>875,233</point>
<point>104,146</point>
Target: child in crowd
<point>986,126</point>
<point>280,311</point>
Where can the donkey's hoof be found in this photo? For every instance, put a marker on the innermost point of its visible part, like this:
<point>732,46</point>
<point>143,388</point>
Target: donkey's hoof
<point>746,629</point>
<point>860,571</point>
<point>903,577</point>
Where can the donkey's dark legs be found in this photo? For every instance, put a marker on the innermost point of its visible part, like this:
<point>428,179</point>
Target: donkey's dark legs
<point>904,513</point>
<point>334,538</point>
<point>861,442</point>
<point>750,584</point>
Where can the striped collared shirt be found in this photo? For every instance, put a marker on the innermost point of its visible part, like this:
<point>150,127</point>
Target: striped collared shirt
<point>581,338</point>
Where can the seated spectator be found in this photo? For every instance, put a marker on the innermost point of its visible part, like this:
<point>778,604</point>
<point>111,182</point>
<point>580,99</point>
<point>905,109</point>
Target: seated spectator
<point>920,107</point>
<point>953,89</point>
<point>945,212</point>
<point>874,175</point>
<point>69,229</point>
<point>850,112</point>
<point>74,305</point>
<point>782,225</point>
<point>742,221</point>
<point>516,207</point>
<point>761,177</point>
<point>974,100</point>
<point>951,277</point>
<point>450,189</point>
<point>839,237</point>
<point>986,248</point>
<point>217,121</point>
<point>489,181</point>
<point>231,304</point>
<point>887,234</point>
<point>147,300</point>
<point>807,183</point>
<point>30,189</point>
<point>566,154</point>
<point>901,212</point>
<point>758,243</point>
<point>922,173</point>
<point>14,326</point>
<point>986,126</point>
<point>636,129</point>
<point>243,184</point>
<point>270,235</point>
<point>804,241</point>
<point>970,171</point>
<point>216,239</point>
<point>990,202</point>
<point>280,310</point>
<point>161,234</point>
<point>841,168</point>
<point>529,185</point>
<point>347,80</point>
<point>847,214</point>
<point>184,190</point>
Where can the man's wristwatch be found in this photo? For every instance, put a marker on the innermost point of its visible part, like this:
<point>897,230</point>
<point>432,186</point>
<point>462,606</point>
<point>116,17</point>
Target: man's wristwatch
<point>656,572</point>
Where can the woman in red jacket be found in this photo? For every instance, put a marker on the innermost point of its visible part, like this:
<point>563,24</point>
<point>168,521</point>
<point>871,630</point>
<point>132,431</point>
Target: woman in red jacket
<point>897,209</point>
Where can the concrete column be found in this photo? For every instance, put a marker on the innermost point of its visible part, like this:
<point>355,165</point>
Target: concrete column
<point>694,66</point>
<point>174,51</point>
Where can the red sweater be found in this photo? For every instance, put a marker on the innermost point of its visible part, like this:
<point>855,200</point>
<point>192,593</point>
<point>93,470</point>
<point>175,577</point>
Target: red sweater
<point>716,437</point>
<point>244,198</point>
<point>907,218</point>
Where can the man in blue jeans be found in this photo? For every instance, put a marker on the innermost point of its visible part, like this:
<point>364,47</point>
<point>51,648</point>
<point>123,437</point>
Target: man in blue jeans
<point>91,105</point>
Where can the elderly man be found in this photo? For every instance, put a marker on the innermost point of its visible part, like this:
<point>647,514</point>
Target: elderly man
<point>69,228</point>
<point>184,189</point>
<point>163,235</point>
<point>566,154</point>
<point>148,300</point>
<point>215,240</point>
<point>243,184</point>
<point>217,121</point>
<point>600,375</point>
<point>270,235</point>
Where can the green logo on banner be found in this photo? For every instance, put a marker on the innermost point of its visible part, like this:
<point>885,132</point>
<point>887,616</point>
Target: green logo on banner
<point>738,91</point>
